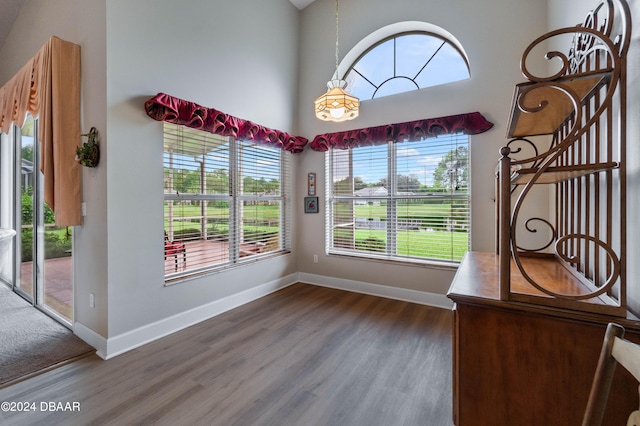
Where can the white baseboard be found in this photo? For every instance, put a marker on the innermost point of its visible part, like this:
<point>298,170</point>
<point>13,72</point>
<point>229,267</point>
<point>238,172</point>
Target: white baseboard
<point>414,296</point>
<point>92,338</point>
<point>130,340</point>
<point>113,346</point>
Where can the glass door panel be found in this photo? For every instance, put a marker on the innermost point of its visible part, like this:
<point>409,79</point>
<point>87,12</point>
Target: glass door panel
<point>45,272</point>
<point>57,267</point>
<point>25,139</point>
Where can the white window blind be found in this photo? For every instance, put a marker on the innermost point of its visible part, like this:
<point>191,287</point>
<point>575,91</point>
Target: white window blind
<point>224,201</point>
<point>405,201</point>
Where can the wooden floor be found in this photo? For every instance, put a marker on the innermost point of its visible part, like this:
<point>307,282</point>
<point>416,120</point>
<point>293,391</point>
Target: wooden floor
<point>305,355</point>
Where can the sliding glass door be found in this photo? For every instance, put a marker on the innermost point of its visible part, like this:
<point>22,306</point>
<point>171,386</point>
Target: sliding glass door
<point>42,251</point>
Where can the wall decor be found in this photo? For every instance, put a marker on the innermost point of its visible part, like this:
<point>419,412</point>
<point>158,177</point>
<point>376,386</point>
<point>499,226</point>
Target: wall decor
<point>88,154</point>
<point>311,204</point>
<point>311,184</point>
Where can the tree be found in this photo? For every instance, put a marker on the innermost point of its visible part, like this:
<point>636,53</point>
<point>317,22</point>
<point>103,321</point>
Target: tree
<point>186,181</point>
<point>218,181</point>
<point>27,152</point>
<point>358,183</point>
<point>383,182</point>
<point>27,127</point>
<point>27,130</point>
<point>405,183</point>
<point>344,185</point>
<point>408,184</point>
<point>27,208</point>
<point>453,171</point>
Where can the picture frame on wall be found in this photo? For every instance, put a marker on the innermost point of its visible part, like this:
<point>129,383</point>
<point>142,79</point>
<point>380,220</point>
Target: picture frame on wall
<point>311,204</point>
<point>311,184</point>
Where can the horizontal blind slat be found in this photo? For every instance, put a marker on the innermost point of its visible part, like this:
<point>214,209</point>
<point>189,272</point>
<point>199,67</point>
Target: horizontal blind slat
<point>423,208</point>
<point>224,200</point>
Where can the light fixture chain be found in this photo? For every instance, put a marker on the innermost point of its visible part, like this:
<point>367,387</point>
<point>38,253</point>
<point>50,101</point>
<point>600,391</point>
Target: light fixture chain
<point>337,41</point>
<point>337,104</point>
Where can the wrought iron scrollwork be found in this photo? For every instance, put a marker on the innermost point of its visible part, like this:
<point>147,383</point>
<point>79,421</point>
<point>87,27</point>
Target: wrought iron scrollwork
<point>530,228</point>
<point>589,39</point>
<point>587,84</point>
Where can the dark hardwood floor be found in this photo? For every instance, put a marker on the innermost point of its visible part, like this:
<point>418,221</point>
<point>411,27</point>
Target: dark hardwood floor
<point>304,355</point>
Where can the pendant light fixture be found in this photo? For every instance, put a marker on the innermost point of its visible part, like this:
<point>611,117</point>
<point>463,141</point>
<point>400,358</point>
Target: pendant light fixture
<point>337,104</point>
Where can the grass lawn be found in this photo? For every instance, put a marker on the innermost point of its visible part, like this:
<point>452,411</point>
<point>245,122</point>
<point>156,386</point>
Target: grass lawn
<point>423,244</point>
<point>256,216</point>
<point>262,220</point>
<point>258,211</point>
<point>273,211</point>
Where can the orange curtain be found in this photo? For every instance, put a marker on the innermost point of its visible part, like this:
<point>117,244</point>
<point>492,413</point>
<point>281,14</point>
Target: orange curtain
<point>48,87</point>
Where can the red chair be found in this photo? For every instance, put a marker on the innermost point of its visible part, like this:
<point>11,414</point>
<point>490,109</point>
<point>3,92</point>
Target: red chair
<point>172,248</point>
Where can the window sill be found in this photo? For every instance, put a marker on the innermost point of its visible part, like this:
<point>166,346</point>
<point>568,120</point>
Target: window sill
<point>400,261</point>
<point>245,261</point>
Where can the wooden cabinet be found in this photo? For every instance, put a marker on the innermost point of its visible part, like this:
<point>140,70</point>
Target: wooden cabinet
<point>522,364</point>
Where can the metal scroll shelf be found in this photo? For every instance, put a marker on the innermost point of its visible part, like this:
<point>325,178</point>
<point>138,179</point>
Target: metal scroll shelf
<point>568,131</point>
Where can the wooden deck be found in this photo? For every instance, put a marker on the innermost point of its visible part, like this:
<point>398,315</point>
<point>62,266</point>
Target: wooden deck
<point>203,253</point>
<point>59,272</point>
<point>58,284</point>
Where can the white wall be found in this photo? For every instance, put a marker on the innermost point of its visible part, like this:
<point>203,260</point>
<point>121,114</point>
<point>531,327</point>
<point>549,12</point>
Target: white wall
<point>238,57</point>
<point>493,33</point>
<point>633,162</point>
<point>81,22</point>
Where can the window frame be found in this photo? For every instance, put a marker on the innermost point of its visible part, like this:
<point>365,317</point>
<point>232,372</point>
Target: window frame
<point>392,199</point>
<point>236,198</point>
<point>394,37</point>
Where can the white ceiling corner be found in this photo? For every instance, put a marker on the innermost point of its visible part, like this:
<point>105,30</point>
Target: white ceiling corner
<point>301,4</point>
<point>9,10</point>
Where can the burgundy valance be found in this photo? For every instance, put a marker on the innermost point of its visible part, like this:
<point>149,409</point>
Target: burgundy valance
<point>163,107</point>
<point>470,123</point>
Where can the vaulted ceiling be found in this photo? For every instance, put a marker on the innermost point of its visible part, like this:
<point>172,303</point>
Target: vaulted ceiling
<point>9,10</point>
<point>8,13</point>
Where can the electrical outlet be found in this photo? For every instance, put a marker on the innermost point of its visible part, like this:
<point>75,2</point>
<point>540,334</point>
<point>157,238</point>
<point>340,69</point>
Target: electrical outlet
<point>92,300</point>
<point>315,258</point>
<point>84,209</point>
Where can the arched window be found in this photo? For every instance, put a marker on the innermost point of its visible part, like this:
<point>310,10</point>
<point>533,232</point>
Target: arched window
<point>406,61</point>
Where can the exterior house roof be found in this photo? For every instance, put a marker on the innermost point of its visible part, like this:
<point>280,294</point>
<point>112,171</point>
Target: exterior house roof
<point>379,191</point>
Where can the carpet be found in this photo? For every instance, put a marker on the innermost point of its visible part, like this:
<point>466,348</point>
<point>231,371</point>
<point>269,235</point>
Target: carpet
<point>31,342</point>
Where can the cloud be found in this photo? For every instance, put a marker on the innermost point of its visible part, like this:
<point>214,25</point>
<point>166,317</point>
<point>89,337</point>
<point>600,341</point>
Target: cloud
<point>408,152</point>
<point>429,160</point>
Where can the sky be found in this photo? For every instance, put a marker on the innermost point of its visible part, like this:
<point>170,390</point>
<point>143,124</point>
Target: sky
<point>415,159</point>
<point>408,62</point>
